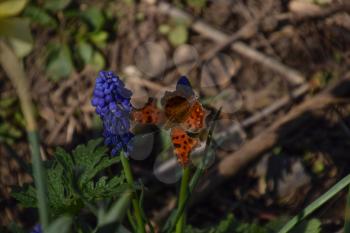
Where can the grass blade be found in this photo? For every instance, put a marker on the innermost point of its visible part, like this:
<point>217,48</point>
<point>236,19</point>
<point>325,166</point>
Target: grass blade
<point>347,214</point>
<point>316,204</point>
<point>183,197</point>
<point>60,225</point>
<point>134,200</point>
<point>110,221</point>
<point>15,72</point>
<point>117,211</point>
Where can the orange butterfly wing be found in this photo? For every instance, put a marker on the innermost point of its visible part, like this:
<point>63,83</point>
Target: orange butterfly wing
<point>186,112</point>
<point>183,145</point>
<point>149,114</point>
<point>195,120</point>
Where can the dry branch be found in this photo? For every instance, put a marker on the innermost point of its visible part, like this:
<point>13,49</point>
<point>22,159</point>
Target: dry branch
<point>322,13</point>
<point>147,83</point>
<point>72,108</point>
<point>206,30</point>
<point>275,106</point>
<point>286,125</point>
<point>248,31</point>
<point>256,117</point>
<point>54,133</point>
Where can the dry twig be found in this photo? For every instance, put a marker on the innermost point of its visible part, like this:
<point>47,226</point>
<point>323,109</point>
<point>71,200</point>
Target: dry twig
<point>206,30</point>
<point>72,108</point>
<point>275,106</point>
<point>283,127</point>
<point>250,29</point>
<point>225,135</point>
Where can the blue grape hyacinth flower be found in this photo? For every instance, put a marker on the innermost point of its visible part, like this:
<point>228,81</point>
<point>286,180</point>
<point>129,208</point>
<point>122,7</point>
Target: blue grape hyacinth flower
<point>112,102</point>
<point>37,229</point>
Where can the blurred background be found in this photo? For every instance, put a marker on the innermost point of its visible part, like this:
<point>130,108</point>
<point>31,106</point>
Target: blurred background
<point>278,68</point>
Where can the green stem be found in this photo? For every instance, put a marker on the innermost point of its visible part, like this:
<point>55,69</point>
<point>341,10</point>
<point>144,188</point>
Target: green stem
<point>182,198</point>
<point>131,221</point>
<point>39,179</point>
<point>347,214</point>
<point>134,199</point>
<point>316,204</point>
<point>15,71</point>
<point>195,178</point>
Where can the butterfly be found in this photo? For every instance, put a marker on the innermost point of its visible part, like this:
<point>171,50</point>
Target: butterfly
<point>182,113</point>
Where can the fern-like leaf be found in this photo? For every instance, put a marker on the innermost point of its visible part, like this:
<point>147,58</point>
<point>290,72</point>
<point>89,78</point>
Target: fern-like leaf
<point>76,178</point>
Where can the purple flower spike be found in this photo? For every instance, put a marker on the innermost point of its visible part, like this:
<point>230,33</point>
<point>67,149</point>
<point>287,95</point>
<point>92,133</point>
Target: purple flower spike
<point>37,229</point>
<point>112,102</point>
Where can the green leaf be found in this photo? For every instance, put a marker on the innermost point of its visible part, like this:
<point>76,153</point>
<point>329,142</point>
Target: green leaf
<point>248,228</point>
<point>105,188</point>
<point>60,225</point>
<point>225,225</point>
<point>97,61</point>
<point>40,16</point>
<point>26,196</point>
<point>55,5</point>
<point>60,65</point>
<point>117,211</point>
<point>178,35</point>
<point>228,225</point>
<point>9,130</point>
<point>85,51</point>
<point>164,29</point>
<point>7,102</point>
<point>166,139</point>
<point>129,2</point>
<point>91,160</point>
<point>11,7</point>
<point>17,31</point>
<point>15,228</point>
<point>11,120</point>
<point>310,226</point>
<point>21,48</point>
<point>89,157</point>
<point>322,2</point>
<point>94,16</point>
<point>68,192</point>
<point>99,38</point>
<point>122,229</point>
<point>110,220</point>
<point>198,4</point>
<point>276,224</point>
